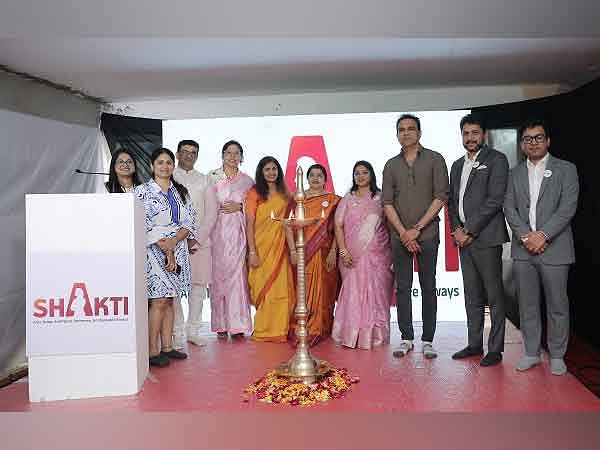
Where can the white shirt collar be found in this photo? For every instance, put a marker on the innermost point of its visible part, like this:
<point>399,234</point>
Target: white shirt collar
<point>469,160</point>
<point>155,186</point>
<point>541,163</point>
<point>182,170</point>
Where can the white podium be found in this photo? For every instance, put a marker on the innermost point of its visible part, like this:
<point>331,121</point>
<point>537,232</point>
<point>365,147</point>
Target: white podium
<point>87,312</point>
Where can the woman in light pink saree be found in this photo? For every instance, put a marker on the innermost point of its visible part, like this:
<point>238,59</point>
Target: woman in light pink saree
<point>362,315</point>
<point>229,295</point>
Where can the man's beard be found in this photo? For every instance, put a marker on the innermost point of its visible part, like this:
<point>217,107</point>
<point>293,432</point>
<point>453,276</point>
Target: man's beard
<point>476,148</point>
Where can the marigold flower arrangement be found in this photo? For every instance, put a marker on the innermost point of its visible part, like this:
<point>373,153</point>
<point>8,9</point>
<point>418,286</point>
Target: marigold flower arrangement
<point>276,389</point>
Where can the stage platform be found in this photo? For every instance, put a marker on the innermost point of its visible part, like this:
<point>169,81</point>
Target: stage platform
<point>405,394</point>
<point>214,377</point>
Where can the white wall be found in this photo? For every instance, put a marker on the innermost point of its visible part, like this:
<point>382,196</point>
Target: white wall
<point>46,133</point>
<point>38,156</point>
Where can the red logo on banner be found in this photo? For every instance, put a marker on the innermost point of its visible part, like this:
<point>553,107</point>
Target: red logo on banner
<point>80,304</point>
<point>314,147</point>
<point>451,251</point>
<point>451,254</point>
<point>307,147</point>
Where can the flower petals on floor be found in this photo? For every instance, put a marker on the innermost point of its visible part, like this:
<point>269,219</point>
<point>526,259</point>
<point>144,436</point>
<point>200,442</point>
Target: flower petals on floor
<point>275,389</point>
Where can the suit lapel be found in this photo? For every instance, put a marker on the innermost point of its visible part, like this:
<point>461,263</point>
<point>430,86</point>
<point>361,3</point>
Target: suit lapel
<point>546,180</point>
<point>523,179</point>
<point>480,159</point>
<point>458,174</point>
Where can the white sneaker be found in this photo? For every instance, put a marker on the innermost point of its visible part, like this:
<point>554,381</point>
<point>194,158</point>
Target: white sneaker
<point>558,366</point>
<point>405,347</point>
<point>196,340</point>
<point>428,351</point>
<point>527,362</point>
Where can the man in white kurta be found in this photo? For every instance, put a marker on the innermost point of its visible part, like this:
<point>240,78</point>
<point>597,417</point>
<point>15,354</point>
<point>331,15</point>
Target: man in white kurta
<point>205,203</point>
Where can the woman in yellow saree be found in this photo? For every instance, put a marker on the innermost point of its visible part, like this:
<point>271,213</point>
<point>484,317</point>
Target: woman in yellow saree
<point>271,253</point>
<point>321,254</point>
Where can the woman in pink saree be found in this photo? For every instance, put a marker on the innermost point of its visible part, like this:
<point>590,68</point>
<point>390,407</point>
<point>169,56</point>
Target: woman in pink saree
<point>362,315</point>
<point>229,295</point>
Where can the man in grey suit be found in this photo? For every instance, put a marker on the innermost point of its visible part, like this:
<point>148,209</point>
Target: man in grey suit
<point>477,188</point>
<point>540,202</point>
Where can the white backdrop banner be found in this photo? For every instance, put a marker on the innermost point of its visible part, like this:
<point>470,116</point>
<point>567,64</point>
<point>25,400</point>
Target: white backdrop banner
<point>337,141</point>
<point>38,156</point>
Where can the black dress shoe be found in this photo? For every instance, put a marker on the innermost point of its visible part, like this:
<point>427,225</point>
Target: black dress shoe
<point>174,354</point>
<point>159,360</point>
<point>491,359</point>
<point>467,352</point>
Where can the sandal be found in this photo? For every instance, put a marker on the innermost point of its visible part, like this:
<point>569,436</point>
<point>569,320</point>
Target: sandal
<point>159,360</point>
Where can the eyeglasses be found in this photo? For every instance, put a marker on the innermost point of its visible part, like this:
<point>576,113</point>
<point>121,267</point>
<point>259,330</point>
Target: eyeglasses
<point>538,138</point>
<point>127,162</point>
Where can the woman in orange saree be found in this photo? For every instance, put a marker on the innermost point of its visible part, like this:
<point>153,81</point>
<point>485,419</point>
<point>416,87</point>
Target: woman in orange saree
<point>322,277</point>
<point>271,253</point>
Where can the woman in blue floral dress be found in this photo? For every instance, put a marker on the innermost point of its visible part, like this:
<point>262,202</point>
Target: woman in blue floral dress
<point>170,222</point>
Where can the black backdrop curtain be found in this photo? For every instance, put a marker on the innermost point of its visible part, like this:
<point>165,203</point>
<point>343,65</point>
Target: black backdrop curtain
<point>573,121</point>
<point>140,136</point>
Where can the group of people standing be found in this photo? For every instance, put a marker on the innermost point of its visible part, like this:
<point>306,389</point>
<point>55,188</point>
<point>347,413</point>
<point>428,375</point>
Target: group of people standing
<point>218,230</point>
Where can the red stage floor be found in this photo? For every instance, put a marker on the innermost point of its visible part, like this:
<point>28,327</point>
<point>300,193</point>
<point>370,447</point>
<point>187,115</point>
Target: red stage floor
<point>213,378</point>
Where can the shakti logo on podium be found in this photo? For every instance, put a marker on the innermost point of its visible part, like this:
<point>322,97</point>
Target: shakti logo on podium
<point>79,305</point>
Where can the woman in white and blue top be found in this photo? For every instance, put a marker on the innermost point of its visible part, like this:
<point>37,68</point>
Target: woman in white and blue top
<point>170,221</point>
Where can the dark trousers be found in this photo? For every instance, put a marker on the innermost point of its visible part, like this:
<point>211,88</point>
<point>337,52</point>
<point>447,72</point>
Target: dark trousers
<point>482,277</point>
<point>403,270</point>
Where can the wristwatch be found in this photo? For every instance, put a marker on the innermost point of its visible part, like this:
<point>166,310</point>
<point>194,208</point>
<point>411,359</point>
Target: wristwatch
<point>418,227</point>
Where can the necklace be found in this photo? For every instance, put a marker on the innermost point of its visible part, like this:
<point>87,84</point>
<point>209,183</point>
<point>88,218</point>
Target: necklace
<point>314,194</point>
<point>230,176</point>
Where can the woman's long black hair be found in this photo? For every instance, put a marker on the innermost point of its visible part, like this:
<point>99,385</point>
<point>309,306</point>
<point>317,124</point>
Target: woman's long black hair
<point>261,184</point>
<point>183,192</point>
<point>372,179</point>
<point>113,185</point>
